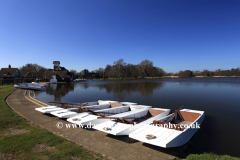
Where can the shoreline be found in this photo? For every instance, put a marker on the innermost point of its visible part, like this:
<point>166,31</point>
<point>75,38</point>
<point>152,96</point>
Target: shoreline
<point>168,77</point>
<point>93,141</point>
<point>163,77</point>
<point>191,77</point>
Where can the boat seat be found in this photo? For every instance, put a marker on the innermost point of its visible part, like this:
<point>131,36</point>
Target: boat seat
<point>112,105</point>
<point>189,116</point>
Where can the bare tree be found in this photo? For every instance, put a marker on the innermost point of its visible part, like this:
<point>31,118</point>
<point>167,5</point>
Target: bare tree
<point>108,71</point>
<point>100,72</point>
<point>36,66</point>
<point>119,67</point>
<point>196,73</point>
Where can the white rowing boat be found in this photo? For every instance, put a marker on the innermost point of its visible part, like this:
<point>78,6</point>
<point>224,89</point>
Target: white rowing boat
<point>34,86</point>
<point>70,112</point>
<point>115,111</point>
<point>127,123</point>
<point>128,103</point>
<point>50,109</point>
<point>172,130</point>
<point>40,109</point>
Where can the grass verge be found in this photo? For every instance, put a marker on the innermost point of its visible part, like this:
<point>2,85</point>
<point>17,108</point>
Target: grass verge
<point>209,156</point>
<point>19,140</point>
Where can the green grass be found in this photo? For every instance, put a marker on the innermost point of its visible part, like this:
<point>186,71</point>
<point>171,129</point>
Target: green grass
<point>209,156</point>
<point>20,146</point>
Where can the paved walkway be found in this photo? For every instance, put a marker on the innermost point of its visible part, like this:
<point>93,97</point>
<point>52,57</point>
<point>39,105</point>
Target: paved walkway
<point>99,143</point>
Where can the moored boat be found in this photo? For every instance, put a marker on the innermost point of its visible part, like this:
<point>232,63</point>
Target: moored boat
<point>125,123</point>
<point>171,131</point>
<point>116,110</point>
<point>46,108</point>
<point>128,103</point>
<point>84,107</point>
<point>53,108</point>
<point>33,86</point>
<point>50,109</point>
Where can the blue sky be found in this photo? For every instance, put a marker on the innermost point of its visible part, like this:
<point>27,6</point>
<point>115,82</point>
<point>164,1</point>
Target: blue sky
<point>174,34</point>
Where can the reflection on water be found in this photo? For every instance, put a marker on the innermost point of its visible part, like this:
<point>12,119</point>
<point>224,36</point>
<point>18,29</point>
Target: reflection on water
<point>59,90</point>
<point>121,90</point>
<point>218,97</point>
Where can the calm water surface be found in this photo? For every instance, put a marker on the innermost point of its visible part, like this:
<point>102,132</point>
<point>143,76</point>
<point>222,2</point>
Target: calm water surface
<point>218,97</point>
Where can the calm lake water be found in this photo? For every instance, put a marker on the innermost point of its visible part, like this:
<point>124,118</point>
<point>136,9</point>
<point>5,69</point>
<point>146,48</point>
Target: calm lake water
<point>218,97</point>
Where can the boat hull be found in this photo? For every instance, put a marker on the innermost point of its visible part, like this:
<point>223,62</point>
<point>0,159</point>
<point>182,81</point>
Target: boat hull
<point>69,114</point>
<point>165,137</point>
<point>119,129</point>
<point>32,86</point>
<point>93,120</point>
<point>42,109</point>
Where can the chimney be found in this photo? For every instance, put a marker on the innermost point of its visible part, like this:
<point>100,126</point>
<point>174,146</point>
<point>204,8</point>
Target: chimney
<point>56,63</point>
<point>9,66</point>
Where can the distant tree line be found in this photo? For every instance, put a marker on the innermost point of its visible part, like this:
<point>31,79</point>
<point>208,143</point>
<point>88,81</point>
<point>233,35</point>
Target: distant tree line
<point>123,70</point>
<point>206,73</point>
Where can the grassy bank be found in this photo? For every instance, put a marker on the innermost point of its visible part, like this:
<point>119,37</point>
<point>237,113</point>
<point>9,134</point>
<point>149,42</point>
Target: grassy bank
<point>209,156</point>
<point>19,140</point>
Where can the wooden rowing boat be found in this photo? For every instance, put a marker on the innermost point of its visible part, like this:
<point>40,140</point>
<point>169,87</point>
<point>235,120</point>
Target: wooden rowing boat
<point>171,131</point>
<point>48,110</point>
<point>94,118</point>
<point>74,111</point>
<point>125,123</point>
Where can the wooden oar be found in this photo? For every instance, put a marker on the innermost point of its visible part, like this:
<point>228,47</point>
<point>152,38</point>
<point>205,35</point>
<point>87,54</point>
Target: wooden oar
<point>180,115</point>
<point>117,118</point>
<point>84,104</point>
<point>65,103</point>
<point>92,108</point>
<point>86,109</point>
<point>176,111</point>
<point>105,112</point>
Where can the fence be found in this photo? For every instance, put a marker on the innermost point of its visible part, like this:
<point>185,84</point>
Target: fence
<point>16,81</point>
